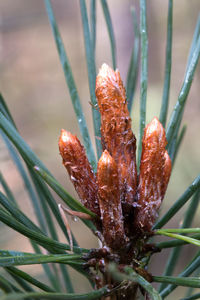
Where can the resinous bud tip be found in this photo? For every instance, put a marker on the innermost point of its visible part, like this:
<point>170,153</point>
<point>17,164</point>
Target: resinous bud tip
<point>105,71</point>
<point>155,128</point>
<point>66,137</point>
<point>105,159</point>
<point>154,133</point>
<point>106,76</point>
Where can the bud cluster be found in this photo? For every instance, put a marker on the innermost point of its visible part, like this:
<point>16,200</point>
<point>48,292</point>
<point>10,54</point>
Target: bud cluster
<point>127,204</point>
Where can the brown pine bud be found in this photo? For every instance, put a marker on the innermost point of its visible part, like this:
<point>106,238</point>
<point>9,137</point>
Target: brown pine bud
<point>79,170</point>
<point>109,202</point>
<point>155,169</point>
<point>117,136</point>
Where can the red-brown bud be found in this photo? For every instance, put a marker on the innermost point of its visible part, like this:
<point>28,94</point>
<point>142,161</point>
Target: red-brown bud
<point>155,169</point>
<point>109,202</point>
<point>117,136</point>
<point>79,170</point>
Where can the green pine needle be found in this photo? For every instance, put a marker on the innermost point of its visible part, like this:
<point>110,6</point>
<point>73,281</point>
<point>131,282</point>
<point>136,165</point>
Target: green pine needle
<point>110,32</point>
<point>179,203</point>
<point>168,63</point>
<point>71,85</point>
<point>91,76</point>
<point>133,69</point>
<point>144,74</point>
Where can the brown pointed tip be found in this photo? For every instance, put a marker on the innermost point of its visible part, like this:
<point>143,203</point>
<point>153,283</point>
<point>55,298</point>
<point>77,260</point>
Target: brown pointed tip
<point>65,136</point>
<point>105,72</point>
<point>155,127</point>
<point>65,140</point>
<point>105,159</point>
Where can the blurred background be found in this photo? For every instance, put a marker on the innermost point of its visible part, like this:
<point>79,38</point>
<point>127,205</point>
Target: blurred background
<point>33,84</point>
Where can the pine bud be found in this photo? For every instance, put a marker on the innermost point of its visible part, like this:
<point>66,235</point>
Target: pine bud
<point>109,202</point>
<point>79,170</point>
<point>117,136</point>
<point>155,169</point>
